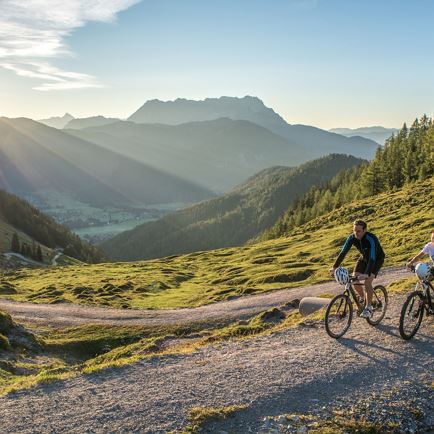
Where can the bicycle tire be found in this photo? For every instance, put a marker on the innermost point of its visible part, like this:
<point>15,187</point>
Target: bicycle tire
<point>415,300</point>
<point>340,308</point>
<point>382,291</point>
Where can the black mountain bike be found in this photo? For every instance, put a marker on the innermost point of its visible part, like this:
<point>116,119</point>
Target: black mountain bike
<point>339,313</point>
<point>418,302</point>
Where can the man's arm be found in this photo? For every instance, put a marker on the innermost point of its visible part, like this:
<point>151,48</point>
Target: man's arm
<point>344,251</point>
<point>372,255</point>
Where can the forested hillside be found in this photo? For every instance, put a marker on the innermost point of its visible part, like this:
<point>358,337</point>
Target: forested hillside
<point>43,229</point>
<point>229,220</point>
<point>406,157</point>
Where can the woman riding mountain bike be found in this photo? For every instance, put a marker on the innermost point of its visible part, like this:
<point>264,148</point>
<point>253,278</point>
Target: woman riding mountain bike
<point>369,263</point>
<point>420,300</point>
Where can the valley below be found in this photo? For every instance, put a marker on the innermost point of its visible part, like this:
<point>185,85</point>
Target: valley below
<point>96,224</point>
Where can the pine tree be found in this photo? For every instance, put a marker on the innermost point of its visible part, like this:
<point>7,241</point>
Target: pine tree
<point>373,179</point>
<point>39,256</point>
<point>15,244</point>
<point>33,250</point>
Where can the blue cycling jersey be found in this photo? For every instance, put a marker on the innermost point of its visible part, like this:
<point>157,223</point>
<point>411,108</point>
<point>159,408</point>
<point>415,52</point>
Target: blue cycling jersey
<point>368,246</point>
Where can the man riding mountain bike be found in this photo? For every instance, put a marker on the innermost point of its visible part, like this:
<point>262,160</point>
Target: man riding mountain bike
<point>367,266</point>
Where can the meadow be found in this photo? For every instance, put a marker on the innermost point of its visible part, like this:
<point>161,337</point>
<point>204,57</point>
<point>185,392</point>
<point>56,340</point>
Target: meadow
<point>401,219</point>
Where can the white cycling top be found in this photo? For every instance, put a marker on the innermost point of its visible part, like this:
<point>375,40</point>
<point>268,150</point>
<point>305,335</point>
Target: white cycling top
<point>429,250</point>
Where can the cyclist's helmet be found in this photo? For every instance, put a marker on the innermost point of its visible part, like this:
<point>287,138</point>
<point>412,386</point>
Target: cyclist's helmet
<point>342,275</point>
<point>423,270</point>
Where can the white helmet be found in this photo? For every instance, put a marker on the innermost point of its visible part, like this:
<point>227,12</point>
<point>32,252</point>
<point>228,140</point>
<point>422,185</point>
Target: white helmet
<point>342,275</point>
<point>422,270</point>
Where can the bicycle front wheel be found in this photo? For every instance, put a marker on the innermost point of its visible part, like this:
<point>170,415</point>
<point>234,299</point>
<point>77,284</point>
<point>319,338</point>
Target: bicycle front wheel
<point>339,315</point>
<point>379,305</point>
<point>411,315</point>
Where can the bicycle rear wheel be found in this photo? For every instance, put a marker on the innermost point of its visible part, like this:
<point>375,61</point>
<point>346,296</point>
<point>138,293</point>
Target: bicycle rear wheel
<point>379,305</point>
<point>339,315</point>
<point>411,315</point>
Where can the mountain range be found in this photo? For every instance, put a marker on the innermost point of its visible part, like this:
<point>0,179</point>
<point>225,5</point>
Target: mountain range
<point>175,153</point>
<point>252,109</point>
<point>219,142</point>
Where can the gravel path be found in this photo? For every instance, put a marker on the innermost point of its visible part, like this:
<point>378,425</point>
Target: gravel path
<point>296,370</point>
<point>66,315</point>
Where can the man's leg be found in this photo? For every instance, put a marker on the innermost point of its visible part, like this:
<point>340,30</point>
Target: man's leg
<point>359,268</point>
<point>369,290</point>
<point>359,287</point>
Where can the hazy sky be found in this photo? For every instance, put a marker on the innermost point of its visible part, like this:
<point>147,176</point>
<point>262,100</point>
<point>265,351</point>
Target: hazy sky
<point>329,63</point>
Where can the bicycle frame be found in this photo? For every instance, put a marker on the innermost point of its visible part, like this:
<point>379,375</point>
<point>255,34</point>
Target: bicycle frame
<point>427,288</point>
<point>351,293</point>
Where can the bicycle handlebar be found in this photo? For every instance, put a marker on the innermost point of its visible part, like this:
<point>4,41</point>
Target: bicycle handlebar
<point>358,278</point>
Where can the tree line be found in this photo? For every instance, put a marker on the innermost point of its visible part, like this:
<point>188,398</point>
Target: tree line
<point>407,156</point>
<point>34,251</point>
<point>44,230</point>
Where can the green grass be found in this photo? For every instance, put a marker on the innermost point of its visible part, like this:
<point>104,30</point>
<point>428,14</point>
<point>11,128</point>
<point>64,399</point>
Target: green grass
<point>84,349</point>
<point>402,220</point>
<point>404,285</point>
<point>199,416</point>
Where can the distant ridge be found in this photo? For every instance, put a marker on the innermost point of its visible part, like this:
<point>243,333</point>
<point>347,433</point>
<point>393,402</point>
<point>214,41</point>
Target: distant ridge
<point>183,110</point>
<point>253,109</point>
<point>377,133</point>
<point>57,122</point>
<point>94,121</point>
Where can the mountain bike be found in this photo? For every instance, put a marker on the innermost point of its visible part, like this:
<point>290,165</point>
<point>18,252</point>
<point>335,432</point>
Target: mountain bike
<point>418,302</point>
<point>339,313</point>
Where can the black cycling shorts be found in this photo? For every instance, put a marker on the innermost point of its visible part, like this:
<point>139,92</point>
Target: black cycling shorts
<point>361,265</point>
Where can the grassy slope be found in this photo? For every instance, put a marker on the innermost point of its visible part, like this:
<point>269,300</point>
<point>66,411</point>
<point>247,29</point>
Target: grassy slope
<point>402,220</point>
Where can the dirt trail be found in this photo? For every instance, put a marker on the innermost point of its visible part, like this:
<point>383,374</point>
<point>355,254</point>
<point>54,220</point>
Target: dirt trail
<point>66,315</point>
<point>296,370</point>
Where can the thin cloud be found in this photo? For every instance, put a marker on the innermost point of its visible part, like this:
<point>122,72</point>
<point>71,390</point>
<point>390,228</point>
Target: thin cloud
<point>33,31</point>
